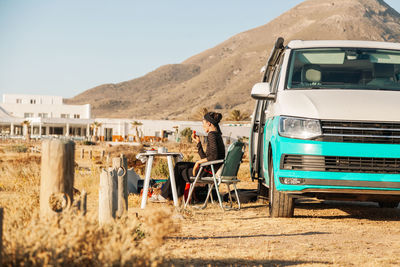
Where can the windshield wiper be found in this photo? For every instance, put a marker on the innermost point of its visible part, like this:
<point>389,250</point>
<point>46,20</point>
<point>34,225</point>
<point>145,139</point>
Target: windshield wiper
<point>308,88</point>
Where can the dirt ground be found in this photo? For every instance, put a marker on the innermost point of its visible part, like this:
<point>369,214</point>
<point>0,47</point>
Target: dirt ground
<point>321,233</point>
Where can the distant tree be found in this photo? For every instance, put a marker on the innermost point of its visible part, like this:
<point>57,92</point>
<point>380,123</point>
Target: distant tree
<point>199,113</point>
<point>218,106</point>
<point>187,134</point>
<point>136,124</point>
<point>237,115</point>
<point>95,126</point>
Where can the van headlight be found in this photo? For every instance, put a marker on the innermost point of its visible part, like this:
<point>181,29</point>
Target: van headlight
<point>299,128</point>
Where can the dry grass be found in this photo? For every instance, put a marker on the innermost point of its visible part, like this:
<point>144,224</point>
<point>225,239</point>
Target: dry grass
<point>21,174</point>
<point>72,239</point>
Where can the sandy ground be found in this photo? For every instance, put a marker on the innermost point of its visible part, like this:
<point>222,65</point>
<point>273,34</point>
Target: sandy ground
<point>321,233</point>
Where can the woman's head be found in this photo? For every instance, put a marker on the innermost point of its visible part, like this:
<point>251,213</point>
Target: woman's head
<point>211,122</point>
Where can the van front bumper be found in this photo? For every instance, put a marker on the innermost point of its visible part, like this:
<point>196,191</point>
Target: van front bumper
<point>314,176</point>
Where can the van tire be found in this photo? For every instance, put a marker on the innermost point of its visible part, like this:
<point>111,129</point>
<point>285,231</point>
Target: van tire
<point>280,204</point>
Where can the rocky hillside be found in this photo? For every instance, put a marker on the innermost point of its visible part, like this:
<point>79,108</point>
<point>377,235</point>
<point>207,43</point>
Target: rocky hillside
<point>221,78</point>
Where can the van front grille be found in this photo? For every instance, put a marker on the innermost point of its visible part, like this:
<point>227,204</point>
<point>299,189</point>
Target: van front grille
<point>360,132</point>
<point>340,164</point>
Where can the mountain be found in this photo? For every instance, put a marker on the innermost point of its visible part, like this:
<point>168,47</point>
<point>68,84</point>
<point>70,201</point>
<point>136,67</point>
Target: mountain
<point>221,78</point>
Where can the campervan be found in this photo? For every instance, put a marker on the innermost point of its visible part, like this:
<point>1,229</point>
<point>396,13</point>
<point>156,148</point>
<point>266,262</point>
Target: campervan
<point>326,123</point>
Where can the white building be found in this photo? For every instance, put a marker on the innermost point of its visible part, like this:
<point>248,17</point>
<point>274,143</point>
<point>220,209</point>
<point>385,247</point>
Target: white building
<point>39,106</point>
<point>42,116</point>
<point>39,116</point>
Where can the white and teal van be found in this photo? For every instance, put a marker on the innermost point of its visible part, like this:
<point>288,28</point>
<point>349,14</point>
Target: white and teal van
<point>327,123</point>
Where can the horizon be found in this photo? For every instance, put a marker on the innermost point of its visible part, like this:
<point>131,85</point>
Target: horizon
<point>64,49</point>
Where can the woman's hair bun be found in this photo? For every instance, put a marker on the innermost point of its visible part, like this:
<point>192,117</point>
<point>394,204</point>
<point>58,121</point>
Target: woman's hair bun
<point>216,116</point>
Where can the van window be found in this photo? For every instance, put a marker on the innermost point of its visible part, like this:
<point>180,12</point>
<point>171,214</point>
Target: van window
<point>344,68</point>
<point>276,76</point>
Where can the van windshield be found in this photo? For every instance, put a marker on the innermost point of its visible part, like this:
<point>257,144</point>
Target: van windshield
<point>344,68</point>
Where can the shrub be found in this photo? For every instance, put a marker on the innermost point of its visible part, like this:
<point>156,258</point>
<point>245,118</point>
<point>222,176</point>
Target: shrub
<point>188,158</point>
<point>218,106</point>
<point>18,148</point>
<point>160,169</point>
<point>88,143</point>
<point>187,134</point>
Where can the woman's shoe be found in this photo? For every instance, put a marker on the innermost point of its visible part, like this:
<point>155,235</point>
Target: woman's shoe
<point>156,198</point>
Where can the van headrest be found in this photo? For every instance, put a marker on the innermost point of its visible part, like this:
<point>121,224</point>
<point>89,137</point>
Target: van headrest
<point>383,70</point>
<point>311,73</point>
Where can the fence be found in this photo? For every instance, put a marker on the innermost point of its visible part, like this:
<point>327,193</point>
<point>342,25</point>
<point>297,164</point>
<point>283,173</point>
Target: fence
<point>57,183</point>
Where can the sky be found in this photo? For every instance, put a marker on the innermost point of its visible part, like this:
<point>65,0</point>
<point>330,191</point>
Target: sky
<point>55,47</point>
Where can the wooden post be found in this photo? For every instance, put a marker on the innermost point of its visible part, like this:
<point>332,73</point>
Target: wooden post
<point>57,176</point>
<point>117,164</point>
<point>1,234</point>
<point>90,154</point>
<point>107,196</point>
<point>122,201</point>
<point>83,207</point>
<point>82,153</point>
<point>102,154</point>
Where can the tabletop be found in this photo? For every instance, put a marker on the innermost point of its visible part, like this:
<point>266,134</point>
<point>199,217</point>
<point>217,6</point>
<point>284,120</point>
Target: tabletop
<point>144,156</point>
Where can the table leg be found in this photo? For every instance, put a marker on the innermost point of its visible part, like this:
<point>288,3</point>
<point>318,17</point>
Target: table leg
<point>146,181</point>
<point>172,177</point>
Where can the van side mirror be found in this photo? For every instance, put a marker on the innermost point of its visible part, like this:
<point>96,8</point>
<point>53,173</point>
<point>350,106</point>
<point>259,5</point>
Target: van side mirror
<point>262,91</point>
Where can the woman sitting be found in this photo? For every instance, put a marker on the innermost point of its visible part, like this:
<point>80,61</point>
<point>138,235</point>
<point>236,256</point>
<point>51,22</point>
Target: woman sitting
<point>184,170</point>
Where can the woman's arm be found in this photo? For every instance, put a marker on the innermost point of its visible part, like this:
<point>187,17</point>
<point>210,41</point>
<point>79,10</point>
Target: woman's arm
<point>197,165</point>
<point>211,153</point>
<point>200,150</point>
<point>201,154</point>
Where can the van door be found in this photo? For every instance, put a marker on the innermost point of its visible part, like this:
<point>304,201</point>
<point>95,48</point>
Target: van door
<point>258,123</point>
<point>256,136</point>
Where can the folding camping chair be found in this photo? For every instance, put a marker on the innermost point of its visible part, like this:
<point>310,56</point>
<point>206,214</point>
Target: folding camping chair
<point>226,174</point>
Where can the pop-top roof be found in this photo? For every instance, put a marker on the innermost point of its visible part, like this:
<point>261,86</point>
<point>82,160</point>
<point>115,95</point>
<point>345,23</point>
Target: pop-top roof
<point>296,44</point>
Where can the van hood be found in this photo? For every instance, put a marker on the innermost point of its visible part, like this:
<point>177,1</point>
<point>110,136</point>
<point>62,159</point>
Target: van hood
<point>354,105</point>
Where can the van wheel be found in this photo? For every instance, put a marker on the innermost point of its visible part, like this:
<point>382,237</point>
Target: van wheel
<point>390,205</point>
<point>280,204</point>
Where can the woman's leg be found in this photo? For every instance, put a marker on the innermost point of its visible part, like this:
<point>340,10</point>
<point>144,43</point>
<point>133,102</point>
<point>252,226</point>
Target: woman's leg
<point>181,171</point>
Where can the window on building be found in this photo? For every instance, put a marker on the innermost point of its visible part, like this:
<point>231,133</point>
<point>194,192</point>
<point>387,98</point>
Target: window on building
<point>18,130</point>
<point>33,101</point>
<point>77,116</point>
<point>36,130</point>
<point>56,130</point>
<point>28,115</point>
<point>43,115</point>
<point>65,116</point>
<point>19,101</point>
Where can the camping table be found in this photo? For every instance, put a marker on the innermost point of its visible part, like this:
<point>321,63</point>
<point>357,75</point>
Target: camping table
<point>149,157</point>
